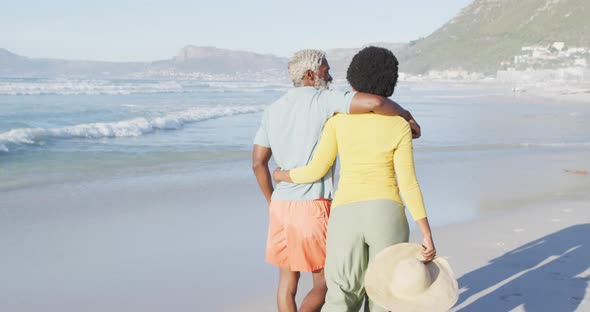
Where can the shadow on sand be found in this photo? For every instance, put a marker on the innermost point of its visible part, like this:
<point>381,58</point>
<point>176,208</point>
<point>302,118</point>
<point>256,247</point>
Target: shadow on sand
<point>548,274</point>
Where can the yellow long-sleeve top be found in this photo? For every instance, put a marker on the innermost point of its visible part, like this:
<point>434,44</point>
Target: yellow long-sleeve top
<point>374,151</point>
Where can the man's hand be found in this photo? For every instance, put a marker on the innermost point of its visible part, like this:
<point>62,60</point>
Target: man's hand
<point>416,132</point>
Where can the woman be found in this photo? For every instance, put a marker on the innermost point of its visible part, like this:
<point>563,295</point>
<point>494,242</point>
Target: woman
<point>367,212</point>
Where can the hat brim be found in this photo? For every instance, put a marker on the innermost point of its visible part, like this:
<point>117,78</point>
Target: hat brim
<point>442,294</point>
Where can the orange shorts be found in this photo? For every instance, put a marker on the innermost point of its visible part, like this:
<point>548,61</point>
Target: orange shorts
<point>297,234</point>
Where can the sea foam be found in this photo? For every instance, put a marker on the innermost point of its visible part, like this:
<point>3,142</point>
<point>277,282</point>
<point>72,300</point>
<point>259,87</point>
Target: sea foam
<point>88,87</point>
<point>113,87</point>
<point>126,128</point>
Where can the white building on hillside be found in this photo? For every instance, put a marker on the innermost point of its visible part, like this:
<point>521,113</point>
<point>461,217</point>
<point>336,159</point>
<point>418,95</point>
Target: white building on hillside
<point>558,45</point>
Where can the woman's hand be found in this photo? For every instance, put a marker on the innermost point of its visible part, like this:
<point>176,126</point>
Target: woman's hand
<point>276,173</point>
<point>416,130</point>
<point>280,175</point>
<point>429,251</point>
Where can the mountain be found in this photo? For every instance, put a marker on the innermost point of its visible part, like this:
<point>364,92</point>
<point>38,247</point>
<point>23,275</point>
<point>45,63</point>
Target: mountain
<point>221,61</point>
<point>191,59</point>
<point>489,32</point>
<point>7,55</point>
<point>13,65</point>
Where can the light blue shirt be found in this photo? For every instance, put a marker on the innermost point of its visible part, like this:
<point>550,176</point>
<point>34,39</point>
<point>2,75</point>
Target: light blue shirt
<point>291,127</point>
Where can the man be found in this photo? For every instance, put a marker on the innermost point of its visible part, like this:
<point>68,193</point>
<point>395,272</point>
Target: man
<point>298,214</point>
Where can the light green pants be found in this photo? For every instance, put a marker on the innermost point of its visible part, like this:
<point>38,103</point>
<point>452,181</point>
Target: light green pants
<point>356,233</point>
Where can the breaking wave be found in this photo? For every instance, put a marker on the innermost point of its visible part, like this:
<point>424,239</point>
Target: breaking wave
<point>126,128</point>
<point>113,87</point>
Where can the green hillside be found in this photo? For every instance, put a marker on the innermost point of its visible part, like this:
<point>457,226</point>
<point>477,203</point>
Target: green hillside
<point>489,32</point>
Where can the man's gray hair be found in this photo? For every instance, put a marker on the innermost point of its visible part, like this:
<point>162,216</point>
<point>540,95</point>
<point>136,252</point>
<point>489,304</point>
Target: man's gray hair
<point>302,61</point>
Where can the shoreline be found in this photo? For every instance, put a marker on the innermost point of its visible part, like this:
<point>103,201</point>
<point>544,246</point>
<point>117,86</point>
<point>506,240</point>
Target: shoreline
<point>560,91</point>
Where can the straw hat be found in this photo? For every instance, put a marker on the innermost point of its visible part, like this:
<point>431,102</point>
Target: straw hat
<point>397,280</point>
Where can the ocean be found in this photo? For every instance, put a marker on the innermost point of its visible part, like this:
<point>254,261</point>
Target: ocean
<point>53,131</point>
<point>56,131</point>
<point>127,195</point>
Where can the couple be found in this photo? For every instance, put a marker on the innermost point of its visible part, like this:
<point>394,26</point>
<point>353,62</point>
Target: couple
<point>375,146</point>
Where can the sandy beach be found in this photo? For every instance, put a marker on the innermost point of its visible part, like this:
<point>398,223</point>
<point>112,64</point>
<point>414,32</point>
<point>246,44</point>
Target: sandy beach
<point>174,242</point>
<point>142,225</point>
<point>535,258</point>
<point>531,258</point>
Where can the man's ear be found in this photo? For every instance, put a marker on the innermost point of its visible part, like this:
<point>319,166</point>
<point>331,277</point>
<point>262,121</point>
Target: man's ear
<point>309,74</point>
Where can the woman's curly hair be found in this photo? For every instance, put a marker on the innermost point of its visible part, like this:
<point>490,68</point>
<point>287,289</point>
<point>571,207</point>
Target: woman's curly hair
<point>373,70</point>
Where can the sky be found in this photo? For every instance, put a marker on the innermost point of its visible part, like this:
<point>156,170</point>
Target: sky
<point>127,30</point>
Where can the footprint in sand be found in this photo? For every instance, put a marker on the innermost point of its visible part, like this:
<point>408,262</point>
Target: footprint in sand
<point>509,297</point>
<point>567,210</point>
<point>557,276</point>
<point>555,220</point>
<point>581,172</point>
<point>518,230</point>
<point>576,300</point>
<point>500,244</point>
